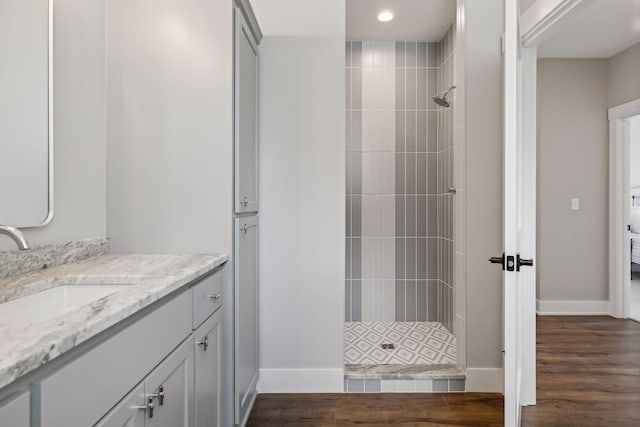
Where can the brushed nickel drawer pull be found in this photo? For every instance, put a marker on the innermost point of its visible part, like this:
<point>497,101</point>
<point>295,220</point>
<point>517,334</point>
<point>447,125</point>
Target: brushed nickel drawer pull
<point>216,296</point>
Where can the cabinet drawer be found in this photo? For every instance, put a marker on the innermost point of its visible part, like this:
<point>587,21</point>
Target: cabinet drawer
<point>207,297</point>
<point>82,391</point>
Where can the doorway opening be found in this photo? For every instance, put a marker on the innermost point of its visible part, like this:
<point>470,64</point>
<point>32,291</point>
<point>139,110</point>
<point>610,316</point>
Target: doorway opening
<point>400,201</point>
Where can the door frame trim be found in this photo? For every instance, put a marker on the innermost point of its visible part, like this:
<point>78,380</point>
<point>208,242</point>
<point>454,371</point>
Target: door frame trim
<point>619,250</point>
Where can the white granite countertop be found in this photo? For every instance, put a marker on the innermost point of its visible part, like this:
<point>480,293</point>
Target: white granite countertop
<point>26,347</point>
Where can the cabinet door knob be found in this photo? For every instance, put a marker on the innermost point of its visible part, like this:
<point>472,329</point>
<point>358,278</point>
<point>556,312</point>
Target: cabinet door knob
<point>204,343</point>
<point>214,296</point>
<point>148,407</point>
<point>161,395</point>
<point>245,201</point>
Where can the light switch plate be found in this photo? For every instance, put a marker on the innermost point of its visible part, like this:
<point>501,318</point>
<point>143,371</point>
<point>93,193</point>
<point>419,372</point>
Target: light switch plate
<point>575,204</point>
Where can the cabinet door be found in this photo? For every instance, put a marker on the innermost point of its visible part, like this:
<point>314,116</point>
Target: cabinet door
<point>14,411</point>
<point>208,378</point>
<point>246,117</point>
<point>246,314</point>
<point>130,412</point>
<point>171,387</point>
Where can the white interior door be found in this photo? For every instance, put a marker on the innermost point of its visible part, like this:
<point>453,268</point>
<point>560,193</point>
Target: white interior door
<point>519,221</point>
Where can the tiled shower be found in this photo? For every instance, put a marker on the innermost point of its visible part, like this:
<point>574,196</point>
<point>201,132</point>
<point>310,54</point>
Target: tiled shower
<point>399,195</point>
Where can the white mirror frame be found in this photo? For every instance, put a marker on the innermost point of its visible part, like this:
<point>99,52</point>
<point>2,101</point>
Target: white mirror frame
<point>50,162</point>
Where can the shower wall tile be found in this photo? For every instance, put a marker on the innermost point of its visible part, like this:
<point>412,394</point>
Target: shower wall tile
<point>356,300</point>
<point>356,54</point>
<point>421,301</point>
<point>442,77</point>
<point>421,52</point>
<point>411,303</point>
<point>391,205</point>
<point>400,264</point>
<point>347,299</point>
<point>400,301</point>
<point>400,54</point>
<point>421,131</point>
<point>356,89</point>
<point>389,301</point>
<point>411,54</point>
<point>421,217</point>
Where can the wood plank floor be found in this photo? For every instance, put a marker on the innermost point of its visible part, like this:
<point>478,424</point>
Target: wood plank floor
<point>379,409</point>
<point>588,372</point>
<point>588,375</point>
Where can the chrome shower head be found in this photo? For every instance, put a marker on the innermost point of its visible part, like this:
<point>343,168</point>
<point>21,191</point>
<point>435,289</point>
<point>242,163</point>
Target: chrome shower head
<point>441,99</point>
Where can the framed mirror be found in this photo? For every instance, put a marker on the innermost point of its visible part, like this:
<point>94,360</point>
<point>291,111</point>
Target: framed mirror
<point>26,112</point>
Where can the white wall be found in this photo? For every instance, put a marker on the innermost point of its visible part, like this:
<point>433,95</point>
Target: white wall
<point>481,123</point>
<point>634,152</point>
<point>572,163</point>
<point>79,125</point>
<point>302,187</point>
<point>169,128</point>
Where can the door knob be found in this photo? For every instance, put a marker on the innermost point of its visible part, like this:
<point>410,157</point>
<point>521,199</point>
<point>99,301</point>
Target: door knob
<point>522,262</point>
<point>497,260</point>
<point>245,201</point>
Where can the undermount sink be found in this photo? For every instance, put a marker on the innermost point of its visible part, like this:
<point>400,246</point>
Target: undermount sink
<point>53,302</point>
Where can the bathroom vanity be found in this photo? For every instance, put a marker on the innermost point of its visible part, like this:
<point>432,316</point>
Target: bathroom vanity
<point>117,340</point>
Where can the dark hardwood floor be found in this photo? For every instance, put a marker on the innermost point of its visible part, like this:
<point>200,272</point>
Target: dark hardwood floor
<point>588,372</point>
<point>588,375</point>
<point>379,409</point>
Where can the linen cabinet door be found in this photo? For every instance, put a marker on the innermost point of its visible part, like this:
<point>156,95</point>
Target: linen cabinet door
<point>170,387</point>
<point>208,378</point>
<point>130,412</point>
<point>246,117</point>
<point>246,314</point>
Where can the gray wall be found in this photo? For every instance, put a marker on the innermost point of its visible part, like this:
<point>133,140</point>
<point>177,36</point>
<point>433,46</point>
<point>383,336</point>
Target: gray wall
<point>624,76</point>
<point>302,184</point>
<point>572,163</point>
<point>79,125</point>
<point>169,129</point>
<point>484,24</point>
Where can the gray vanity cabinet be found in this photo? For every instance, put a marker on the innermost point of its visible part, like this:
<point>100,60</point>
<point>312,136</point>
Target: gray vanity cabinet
<point>14,411</point>
<point>208,366</point>
<point>246,314</point>
<point>170,386</point>
<point>129,412</point>
<point>163,399</point>
<point>246,117</point>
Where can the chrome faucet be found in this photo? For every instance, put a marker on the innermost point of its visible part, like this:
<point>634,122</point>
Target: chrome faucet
<point>16,235</point>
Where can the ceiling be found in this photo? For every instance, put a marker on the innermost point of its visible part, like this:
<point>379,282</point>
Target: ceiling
<point>601,30</point>
<point>416,20</point>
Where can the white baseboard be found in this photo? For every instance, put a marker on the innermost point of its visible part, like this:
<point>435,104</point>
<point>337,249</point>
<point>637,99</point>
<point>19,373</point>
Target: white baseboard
<point>301,381</point>
<point>572,308</point>
<point>484,380</point>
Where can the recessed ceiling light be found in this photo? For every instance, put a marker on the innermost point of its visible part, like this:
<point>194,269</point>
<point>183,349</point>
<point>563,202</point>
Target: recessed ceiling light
<point>385,16</point>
